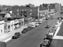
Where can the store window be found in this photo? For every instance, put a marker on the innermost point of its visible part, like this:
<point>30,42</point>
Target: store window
<point>1,30</point>
<point>9,27</point>
<point>5,27</point>
<point>16,26</point>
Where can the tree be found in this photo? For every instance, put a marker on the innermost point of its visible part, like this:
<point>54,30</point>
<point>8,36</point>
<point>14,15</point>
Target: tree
<point>29,5</point>
<point>45,5</point>
<point>52,6</point>
<point>23,13</point>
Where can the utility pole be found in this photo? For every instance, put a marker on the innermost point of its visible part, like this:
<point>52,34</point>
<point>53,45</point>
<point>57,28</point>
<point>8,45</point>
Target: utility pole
<point>48,7</point>
<point>38,13</point>
<point>48,10</point>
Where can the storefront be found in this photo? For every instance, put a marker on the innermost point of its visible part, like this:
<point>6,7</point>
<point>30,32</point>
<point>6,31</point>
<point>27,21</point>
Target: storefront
<point>1,27</point>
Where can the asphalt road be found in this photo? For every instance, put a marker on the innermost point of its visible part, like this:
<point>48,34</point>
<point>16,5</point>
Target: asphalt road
<point>30,39</point>
<point>58,42</point>
<point>60,33</point>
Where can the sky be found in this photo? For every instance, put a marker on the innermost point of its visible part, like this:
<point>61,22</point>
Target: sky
<point>24,2</point>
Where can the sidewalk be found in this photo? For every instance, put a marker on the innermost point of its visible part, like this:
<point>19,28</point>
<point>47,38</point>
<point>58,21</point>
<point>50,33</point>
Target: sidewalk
<point>8,36</point>
<point>5,37</point>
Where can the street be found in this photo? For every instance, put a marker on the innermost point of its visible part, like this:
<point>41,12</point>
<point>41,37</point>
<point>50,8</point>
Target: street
<point>30,39</point>
<point>58,42</point>
<point>31,23</point>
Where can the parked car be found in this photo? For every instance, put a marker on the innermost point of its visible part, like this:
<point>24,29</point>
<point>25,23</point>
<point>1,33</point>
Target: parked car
<point>27,29</point>
<point>46,41</point>
<point>33,24</point>
<point>37,24</point>
<point>47,26</point>
<point>16,35</point>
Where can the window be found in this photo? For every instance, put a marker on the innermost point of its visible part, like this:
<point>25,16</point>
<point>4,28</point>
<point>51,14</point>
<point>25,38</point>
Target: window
<point>19,23</point>
<point>16,26</point>
<point>9,27</point>
<point>1,30</point>
<point>5,26</point>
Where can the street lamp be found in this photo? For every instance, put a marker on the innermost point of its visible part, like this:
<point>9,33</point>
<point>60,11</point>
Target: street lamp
<point>38,14</point>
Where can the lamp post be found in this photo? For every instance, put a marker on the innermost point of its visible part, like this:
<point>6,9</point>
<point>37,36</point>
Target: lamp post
<point>48,7</point>
<point>38,14</point>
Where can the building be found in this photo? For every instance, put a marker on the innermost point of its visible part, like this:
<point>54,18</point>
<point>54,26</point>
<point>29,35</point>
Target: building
<point>61,11</point>
<point>2,27</point>
<point>9,26</point>
<point>52,10</point>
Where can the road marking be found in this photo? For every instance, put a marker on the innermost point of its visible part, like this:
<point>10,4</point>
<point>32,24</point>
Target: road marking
<point>58,37</point>
<point>57,31</point>
<point>55,35</point>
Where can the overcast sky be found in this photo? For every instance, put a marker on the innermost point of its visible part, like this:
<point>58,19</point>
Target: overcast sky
<point>23,2</point>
